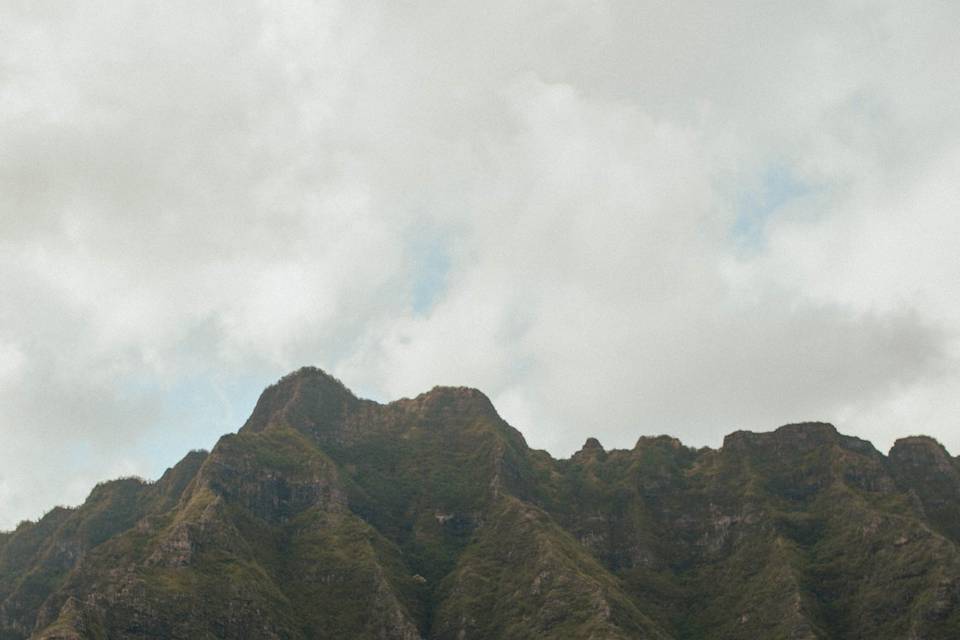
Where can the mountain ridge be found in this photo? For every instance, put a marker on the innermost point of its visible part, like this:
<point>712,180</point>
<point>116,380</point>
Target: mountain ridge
<point>326,515</point>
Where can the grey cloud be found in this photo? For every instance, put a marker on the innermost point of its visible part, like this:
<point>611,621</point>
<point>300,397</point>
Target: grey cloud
<point>235,189</point>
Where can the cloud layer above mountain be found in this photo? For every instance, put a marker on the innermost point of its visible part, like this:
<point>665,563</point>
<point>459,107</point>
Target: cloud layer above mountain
<point>616,218</point>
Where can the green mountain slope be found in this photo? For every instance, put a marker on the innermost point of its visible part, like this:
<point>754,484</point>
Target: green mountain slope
<point>329,516</point>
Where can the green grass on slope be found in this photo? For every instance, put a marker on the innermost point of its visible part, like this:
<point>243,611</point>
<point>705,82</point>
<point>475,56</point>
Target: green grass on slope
<point>524,577</point>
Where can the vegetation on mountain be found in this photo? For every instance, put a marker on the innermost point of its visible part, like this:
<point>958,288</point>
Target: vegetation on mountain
<point>330,516</point>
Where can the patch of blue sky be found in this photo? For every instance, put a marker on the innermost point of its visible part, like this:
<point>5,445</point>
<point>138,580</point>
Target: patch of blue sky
<point>778,187</point>
<point>193,413</point>
<point>431,265</point>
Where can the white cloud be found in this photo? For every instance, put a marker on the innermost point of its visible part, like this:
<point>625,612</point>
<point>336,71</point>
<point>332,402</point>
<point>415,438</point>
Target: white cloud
<point>222,193</point>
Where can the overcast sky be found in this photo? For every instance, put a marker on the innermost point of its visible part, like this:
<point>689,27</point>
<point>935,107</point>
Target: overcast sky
<point>615,218</point>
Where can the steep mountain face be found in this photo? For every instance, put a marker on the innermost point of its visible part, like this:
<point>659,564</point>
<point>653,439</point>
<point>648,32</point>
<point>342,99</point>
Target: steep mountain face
<point>329,516</point>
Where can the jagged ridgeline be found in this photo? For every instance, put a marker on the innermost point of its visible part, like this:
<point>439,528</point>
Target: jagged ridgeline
<point>328,516</point>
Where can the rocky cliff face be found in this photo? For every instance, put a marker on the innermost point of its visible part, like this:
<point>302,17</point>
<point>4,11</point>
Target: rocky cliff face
<point>328,516</point>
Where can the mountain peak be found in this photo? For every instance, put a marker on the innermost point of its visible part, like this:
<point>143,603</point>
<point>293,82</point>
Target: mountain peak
<point>920,451</point>
<point>802,435</point>
<point>299,399</point>
<point>808,430</point>
<point>594,444</point>
<point>591,449</point>
<point>312,373</point>
<point>443,400</point>
<point>922,442</point>
<point>661,441</point>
